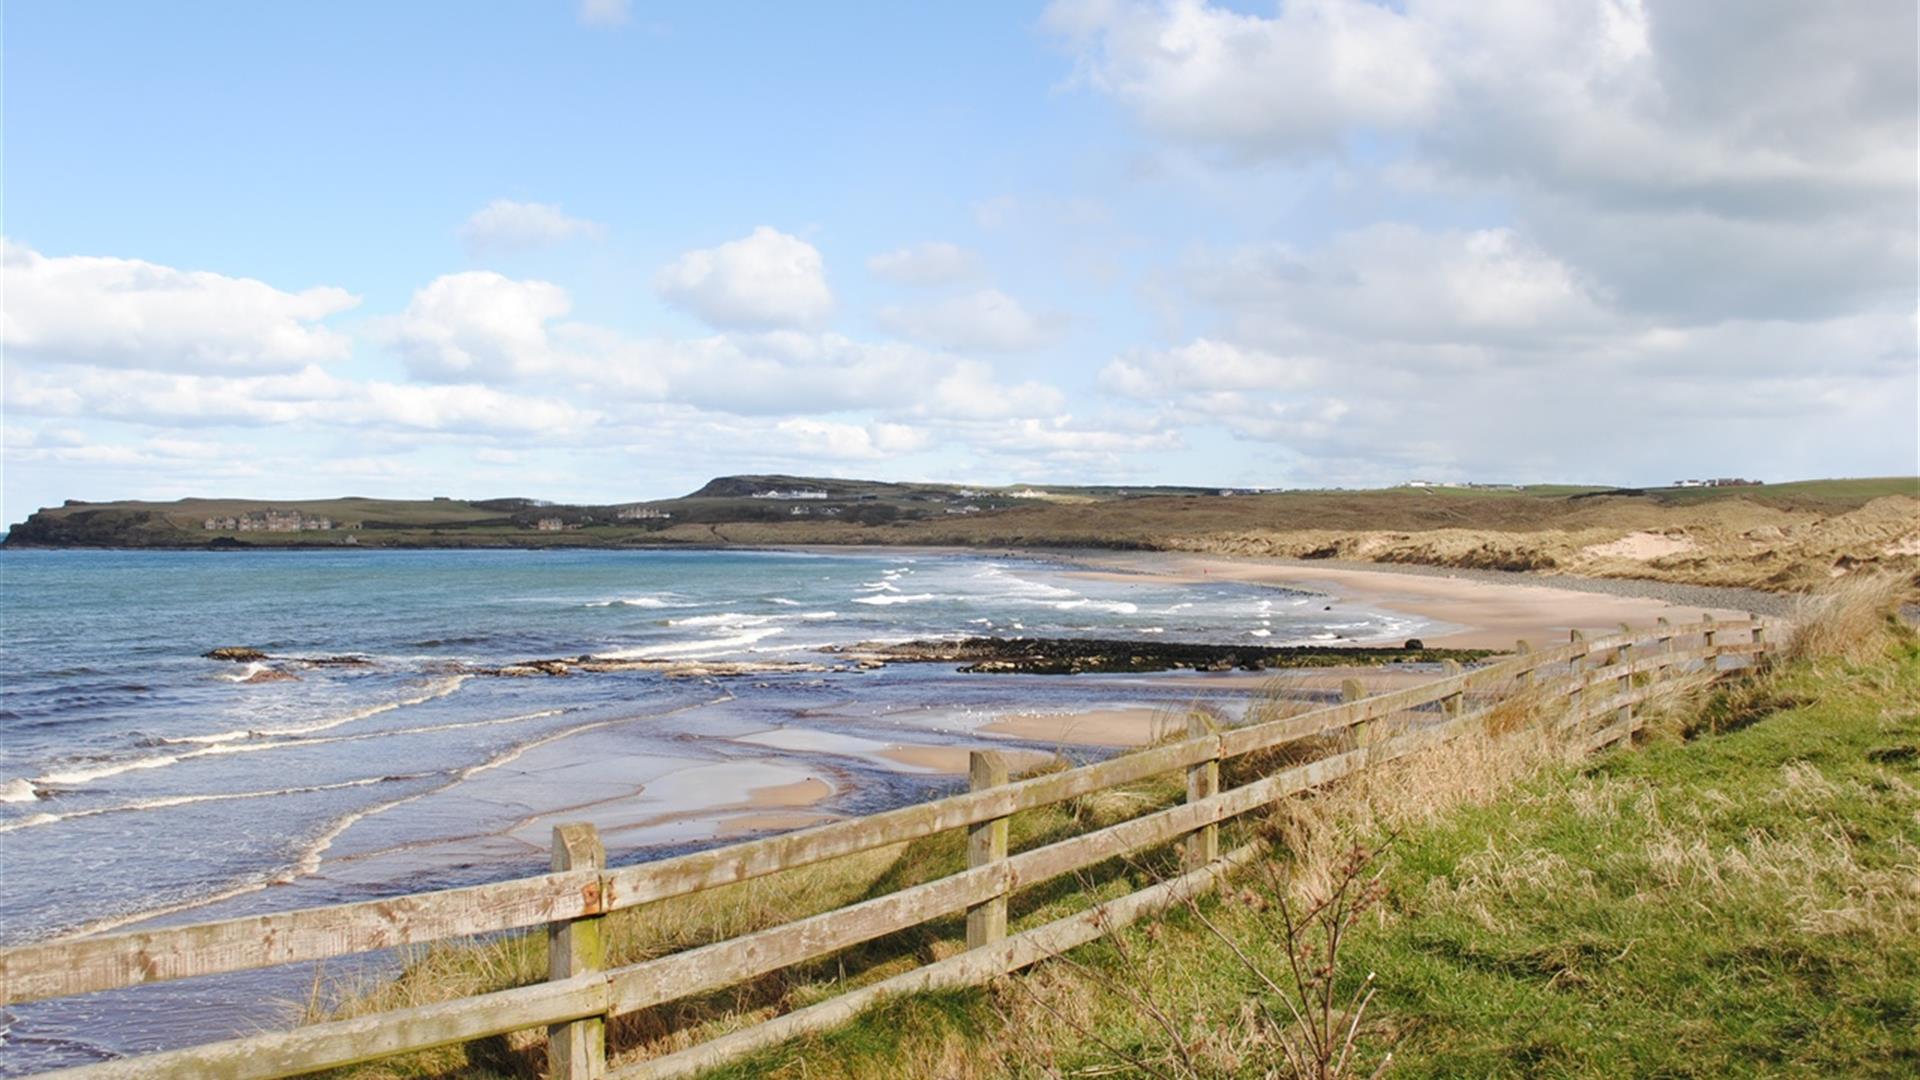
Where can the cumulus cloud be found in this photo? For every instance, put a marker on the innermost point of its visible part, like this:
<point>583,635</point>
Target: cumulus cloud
<point>506,226</point>
<point>1259,85</point>
<point>767,279</point>
<point>1697,160</point>
<point>131,313</point>
<point>806,437</point>
<point>987,320</point>
<point>479,324</point>
<point>930,264</point>
<point>1203,366</point>
<point>971,390</point>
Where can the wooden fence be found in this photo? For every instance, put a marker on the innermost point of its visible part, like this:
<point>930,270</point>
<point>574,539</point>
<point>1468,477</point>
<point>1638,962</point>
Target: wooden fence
<point>1588,689</point>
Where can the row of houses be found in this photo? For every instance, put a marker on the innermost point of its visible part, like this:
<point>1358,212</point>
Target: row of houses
<point>268,520</point>
<point>1469,485</point>
<point>1722,481</point>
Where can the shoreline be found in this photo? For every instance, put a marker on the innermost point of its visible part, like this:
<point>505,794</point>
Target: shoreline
<point>1475,613</point>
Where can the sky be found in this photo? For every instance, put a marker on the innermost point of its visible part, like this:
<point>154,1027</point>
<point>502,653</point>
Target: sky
<point>603,250</point>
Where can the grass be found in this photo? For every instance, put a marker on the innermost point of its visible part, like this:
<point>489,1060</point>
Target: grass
<point>1741,901</point>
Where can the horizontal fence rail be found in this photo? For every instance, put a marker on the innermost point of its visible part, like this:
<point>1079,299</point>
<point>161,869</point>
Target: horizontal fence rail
<point>1592,690</point>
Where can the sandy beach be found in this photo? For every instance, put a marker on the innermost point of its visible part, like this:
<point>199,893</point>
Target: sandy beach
<point>955,759</point>
<point>1478,614</point>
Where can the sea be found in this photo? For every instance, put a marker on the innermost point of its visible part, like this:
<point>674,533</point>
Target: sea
<point>142,783</point>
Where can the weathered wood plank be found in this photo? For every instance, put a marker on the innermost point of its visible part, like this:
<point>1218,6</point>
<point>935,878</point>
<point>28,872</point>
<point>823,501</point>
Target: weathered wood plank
<point>577,1050</point>
<point>970,968</point>
<point>722,964</point>
<point>1203,783</point>
<point>84,965</point>
<point>740,862</point>
<point>986,844</point>
<point>364,1038</point>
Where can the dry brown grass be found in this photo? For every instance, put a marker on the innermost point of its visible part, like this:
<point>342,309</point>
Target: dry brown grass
<point>1848,619</point>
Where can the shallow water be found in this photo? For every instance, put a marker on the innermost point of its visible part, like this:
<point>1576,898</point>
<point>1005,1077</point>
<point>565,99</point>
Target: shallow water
<point>140,781</point>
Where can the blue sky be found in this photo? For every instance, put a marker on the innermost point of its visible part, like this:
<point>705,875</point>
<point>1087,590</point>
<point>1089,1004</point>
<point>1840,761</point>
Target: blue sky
<point>605,251</point>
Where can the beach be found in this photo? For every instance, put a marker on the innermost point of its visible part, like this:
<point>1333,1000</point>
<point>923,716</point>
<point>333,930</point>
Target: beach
<point>1475,612</point>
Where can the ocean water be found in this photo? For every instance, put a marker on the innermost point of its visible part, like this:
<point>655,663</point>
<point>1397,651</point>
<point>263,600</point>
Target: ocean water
<point>141,783</point>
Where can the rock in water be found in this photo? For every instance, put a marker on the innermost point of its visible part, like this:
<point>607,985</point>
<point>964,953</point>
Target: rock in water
<point>236,653</point>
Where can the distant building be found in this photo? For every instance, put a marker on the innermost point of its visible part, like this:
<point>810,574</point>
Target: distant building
<point>798,494</point>
<point>268,520</point>
<point>1030,493</point>
<point>642,513</point>
<point>550,524</point>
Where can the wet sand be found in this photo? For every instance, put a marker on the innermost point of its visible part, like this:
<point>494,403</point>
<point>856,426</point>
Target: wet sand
<point>954,759</point>
<point>1094,727</point>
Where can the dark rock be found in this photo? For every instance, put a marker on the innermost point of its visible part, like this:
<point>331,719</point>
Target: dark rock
<point>237,653</point>
<point>1068,656</point>
<point>1414,643</point>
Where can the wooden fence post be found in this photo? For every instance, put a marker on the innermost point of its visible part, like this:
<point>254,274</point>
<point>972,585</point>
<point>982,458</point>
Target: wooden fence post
<point>1455,703</point>
<point>1624,715</point>
<point>577,1050</point>
<point>1759,640</point>
<point>1352,690</point>
<point>1525,678</point>
<point>1706,631</point>
<point>986,843</point>
<point>1577,697</point>
<point>1203,782</point>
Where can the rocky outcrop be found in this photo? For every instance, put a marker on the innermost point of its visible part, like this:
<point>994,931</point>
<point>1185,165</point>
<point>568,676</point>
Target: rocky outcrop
<point>1072,656</point>
<point>238,654</point>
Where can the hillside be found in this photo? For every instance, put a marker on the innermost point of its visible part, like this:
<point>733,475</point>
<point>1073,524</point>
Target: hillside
<point>1778,536</point>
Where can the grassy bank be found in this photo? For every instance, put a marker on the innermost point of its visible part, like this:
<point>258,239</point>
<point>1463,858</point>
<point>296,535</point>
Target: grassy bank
<point>1739,896</point>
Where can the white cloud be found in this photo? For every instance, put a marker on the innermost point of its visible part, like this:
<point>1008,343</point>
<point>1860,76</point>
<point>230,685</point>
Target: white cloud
<point>988,320</point>
<point>767,279</point>
<point>1205,365</point>
<point>311,396</point>
<point>971,390</point>
<point>130,313</point>
<point>806,437</point>
<point>1702,161</point>
<point>604,12</point>
<point>506,226</point>
<point>930,264</point>
<point>1402,283</point>
<point>479,324</point>
<point>1259,85</point>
